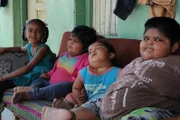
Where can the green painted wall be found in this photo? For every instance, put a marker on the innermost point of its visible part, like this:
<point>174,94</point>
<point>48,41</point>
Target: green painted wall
<point>178,11</point>
<point>10,24</point>
<point>133,26</point>
<point>6,25</point>
<point>60,17</point>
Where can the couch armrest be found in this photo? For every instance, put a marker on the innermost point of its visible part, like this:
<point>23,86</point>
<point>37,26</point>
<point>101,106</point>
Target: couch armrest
<point>10,61</point>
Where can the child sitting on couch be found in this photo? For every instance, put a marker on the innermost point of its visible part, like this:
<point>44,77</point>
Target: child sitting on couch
<point>149,82</point>
<point>96,78</point>
<point>36,33</point>
<point>58,82</point>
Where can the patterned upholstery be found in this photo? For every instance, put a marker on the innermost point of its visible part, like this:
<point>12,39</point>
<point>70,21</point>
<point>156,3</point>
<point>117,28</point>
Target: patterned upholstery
<point>10,61</point>
<point>28,110</point>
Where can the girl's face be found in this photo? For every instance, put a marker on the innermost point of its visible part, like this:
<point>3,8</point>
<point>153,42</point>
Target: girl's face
<point>99,55</point>
<point>34,33</point>
<point>154,45</point>
<point>74,46</point>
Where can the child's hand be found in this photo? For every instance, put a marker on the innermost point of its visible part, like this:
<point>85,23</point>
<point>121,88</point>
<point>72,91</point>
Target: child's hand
<point>45,75</point>
<point>2,79</point>
<point>75,95</point>
<point>83,96</point>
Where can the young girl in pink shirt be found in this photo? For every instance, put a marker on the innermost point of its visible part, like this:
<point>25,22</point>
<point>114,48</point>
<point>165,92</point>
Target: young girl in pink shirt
<point>58,82</point>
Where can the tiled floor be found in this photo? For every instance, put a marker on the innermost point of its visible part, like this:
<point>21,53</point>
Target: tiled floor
<point>7,115</point>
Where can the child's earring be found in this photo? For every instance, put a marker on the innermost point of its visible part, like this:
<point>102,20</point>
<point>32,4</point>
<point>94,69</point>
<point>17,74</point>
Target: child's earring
<point>112,56</point>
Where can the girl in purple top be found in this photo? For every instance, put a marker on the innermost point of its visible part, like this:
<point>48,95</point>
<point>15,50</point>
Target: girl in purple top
<point>64,72</point>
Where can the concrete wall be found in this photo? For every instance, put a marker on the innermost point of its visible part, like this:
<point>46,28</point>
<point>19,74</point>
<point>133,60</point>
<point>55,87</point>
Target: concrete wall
<point>6,25</point>
<point>61,17</point>
<point>10,24</point>
<point>133,26</point>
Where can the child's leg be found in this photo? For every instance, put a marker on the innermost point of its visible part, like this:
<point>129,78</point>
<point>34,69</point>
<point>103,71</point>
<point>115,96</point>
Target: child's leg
<point>50,113</point>
<point>93,106</point>
<point>58,90</point>
<point>22,89</point>
<point>45,93</point>
<point>79,113</point>
<point>62,103</point>
<point>82,113</point>
<point>67,103</point>
<point>69,97</point>
<point>21,96</point>
<point>88,111</point>
<point>38,83</point>
<point>27,93</point>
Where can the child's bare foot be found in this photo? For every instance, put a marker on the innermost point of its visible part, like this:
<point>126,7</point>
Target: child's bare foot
<point>22,89</point>
<point>50,113</point>
<point>62,103</point>
<point>20,96</point>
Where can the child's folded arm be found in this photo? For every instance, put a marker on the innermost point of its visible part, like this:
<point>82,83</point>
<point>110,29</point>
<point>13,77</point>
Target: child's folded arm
<point>77,87</point>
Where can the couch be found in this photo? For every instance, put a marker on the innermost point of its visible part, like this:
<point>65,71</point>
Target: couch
<point>126,51</point>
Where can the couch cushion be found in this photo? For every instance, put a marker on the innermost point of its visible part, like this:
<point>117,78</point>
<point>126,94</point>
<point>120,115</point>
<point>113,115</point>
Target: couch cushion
<point>10,61</point>
<point>28,110</point>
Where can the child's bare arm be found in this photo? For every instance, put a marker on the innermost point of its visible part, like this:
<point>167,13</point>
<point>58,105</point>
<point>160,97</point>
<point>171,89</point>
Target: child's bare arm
<point>23,70</point>
<point>83,96</point>
<point>77,87</point>
<point>12,49</point>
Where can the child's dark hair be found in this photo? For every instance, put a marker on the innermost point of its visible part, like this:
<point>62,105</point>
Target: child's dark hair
<point>85,34</point>
<point>42,24</point>
<point>109,47</point>
<point>167,26</point>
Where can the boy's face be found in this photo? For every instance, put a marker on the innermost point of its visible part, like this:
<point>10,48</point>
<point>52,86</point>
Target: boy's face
<point>154,45</point>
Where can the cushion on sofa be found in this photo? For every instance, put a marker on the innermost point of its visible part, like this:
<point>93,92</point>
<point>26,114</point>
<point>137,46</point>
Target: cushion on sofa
<point>10,61</point>
<point>28,110</point>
